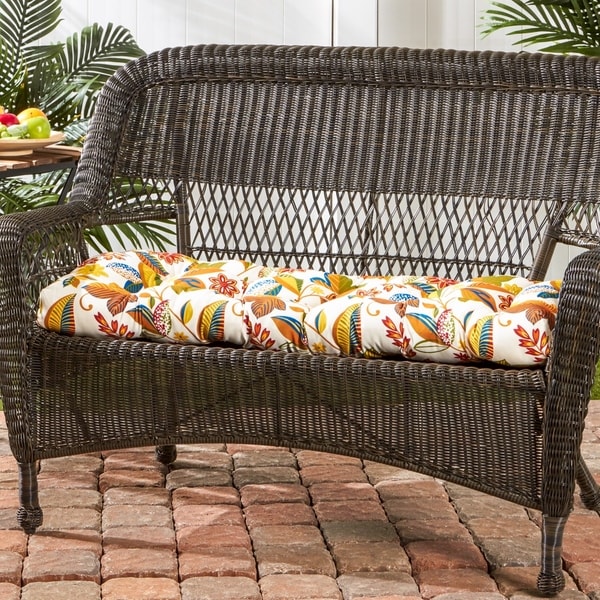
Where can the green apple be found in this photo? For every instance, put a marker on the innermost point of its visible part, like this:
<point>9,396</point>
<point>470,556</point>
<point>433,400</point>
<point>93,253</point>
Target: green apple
<point>38,127</point>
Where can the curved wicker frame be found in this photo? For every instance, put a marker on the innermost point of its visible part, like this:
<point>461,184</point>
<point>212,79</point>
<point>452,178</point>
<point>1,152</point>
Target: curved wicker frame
<point>371,160</point>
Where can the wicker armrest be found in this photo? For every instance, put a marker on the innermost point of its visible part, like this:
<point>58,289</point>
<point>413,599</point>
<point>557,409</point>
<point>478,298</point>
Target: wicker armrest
<point>35,248</point>
<point>37,245</point>
<point>572,365</point>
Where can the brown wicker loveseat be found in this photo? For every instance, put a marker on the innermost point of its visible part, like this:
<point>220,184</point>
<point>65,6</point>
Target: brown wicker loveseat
<point>352,160</point>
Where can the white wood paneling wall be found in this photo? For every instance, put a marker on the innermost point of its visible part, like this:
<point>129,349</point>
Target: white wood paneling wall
<point>417,23</point>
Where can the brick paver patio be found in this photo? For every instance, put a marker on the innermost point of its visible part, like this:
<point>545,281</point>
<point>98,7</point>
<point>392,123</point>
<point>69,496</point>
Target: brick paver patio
<point>258,523</point>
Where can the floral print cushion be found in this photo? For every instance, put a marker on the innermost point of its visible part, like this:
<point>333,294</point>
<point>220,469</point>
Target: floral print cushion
<point>171,297</point>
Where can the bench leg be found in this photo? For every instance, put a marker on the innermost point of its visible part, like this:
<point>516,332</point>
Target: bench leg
<point>29,513</point>
<point>166,454</point>
<point>551,579</point>
<point>589,490</point>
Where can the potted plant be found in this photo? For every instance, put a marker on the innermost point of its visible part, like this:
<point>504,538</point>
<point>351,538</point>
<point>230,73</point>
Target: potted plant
<point>63,80</point>
<point>560,26</point>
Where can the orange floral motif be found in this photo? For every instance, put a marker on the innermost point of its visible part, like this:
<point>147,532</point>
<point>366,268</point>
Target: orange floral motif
<point>399,339</point>
<point>368,293</point>
<point>441,282</point>
<point>402,304</point>
<point>222,284</point>
<point>113,328</point>
<point>170,257</point>
<point>536,344</point>
<point>105,256</point>
<point>504,302</point>
<point>258,337</point>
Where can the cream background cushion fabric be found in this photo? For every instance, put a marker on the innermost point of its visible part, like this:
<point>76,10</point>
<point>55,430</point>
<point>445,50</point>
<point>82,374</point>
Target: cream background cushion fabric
<point>174,298</point>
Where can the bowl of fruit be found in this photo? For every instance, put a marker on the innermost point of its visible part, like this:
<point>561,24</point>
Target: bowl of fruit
<point>25,132</point>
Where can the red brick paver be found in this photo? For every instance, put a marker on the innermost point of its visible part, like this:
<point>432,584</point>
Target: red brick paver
<point>61,590</point>
<point>61,565</point>
<point>141,588</point>
<point>243,522</point>
<point>10,591</point>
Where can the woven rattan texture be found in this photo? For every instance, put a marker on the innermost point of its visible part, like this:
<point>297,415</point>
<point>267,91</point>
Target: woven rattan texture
<point>355,160</point>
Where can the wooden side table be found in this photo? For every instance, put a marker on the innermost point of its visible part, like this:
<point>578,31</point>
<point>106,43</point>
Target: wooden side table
<point>44,160</point>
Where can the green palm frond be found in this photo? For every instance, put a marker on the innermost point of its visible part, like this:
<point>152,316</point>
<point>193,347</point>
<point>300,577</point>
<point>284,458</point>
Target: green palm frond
<point>13,73</point>
<point>560,26</point>
<point>38,74</point>
<point>25,22</point>
<point>97,52</point>
<point>75,132</point>
<point>63,79</point>
<point>61,99</point>
<point>130,235</point>
<point>81,67</point>
<point>38,53</point>
<point>19,196</point>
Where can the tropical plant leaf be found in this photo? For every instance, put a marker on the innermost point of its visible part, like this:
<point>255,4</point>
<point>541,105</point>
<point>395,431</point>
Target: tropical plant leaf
<point>24,22</point>
<point>17,195</point>
<point>148,235</point>
<point>63,79</point>
<point>62,100</point>
<point>75,132</point>
<point>13,72</point>
<point>40,53</point>
<point>561,26</point>
<point>97,52</point>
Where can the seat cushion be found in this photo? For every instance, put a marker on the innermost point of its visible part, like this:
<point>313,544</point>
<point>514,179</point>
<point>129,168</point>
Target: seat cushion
<point>171,297</point>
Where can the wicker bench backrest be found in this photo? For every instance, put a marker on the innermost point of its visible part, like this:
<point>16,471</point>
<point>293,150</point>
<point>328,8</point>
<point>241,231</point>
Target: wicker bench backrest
<point>380,160</point>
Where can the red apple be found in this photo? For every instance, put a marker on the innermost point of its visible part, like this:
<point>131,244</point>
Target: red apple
<point>8,119</point>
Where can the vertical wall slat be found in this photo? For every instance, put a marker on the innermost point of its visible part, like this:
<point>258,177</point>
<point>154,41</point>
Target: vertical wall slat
<point>355,22</point>
<point>74,18</point>
<point>210,22</point>
<point>495,41</point>
<point>451,24</point>
<point>403,23</point>
<point>259,21</point>
<point>105,12</point>
<point>307,22</point>
<point>161,24</point>
<point>415,23</point>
